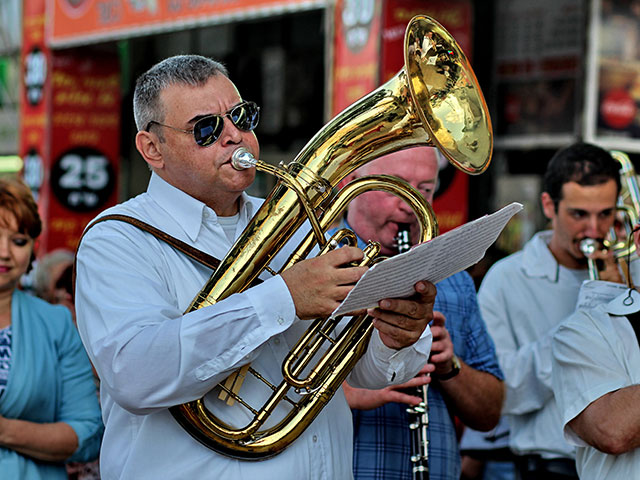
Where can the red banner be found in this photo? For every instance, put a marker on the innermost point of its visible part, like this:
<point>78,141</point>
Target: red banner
<point>85,146</point>
<point>69,132</point>
<point>452,196</point>
<point>77,21</point>
<point>356,56</point>
<point>34,92</point>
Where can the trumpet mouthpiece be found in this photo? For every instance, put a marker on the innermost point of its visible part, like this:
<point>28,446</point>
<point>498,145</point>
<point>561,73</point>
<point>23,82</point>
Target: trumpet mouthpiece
<point>242,159</point>
<point>589,245</point>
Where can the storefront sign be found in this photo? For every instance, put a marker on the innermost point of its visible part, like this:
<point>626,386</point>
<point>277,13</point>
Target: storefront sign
<point>74,22</point>
<point>69,132</point>
<point>85,142</point>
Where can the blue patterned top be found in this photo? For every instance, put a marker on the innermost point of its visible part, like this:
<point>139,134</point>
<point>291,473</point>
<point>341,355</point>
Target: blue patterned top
<point>5,357</point>
<point>382,441</point>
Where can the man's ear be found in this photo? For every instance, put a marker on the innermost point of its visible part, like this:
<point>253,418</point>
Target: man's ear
<point>147,144</point>
<point>548,205</point>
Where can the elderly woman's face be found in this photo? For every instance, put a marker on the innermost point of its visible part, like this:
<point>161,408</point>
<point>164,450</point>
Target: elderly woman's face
<point>15,251</point>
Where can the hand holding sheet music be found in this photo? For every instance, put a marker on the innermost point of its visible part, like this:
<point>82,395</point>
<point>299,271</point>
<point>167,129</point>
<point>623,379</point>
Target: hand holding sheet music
<point>434,261</point>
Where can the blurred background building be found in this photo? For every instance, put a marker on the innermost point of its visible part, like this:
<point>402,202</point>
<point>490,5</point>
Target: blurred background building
<point>552,72</point>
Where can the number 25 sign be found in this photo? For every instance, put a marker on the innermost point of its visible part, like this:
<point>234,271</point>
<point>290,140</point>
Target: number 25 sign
<point>82,179</point>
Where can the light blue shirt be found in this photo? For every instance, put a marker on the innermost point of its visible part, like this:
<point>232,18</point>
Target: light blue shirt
<point>50,381</point>
<point>522,299</point>
<point>595,352</point>
<point>132,290</point>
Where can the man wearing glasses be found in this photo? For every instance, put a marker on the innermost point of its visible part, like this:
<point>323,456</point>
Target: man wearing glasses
<point>133,289</point>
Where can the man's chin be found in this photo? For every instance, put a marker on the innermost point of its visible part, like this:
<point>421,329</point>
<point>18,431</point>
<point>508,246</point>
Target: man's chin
<point>580,260</point>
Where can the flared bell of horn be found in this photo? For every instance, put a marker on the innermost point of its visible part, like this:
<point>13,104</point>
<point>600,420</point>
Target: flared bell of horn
<point>447,96</point>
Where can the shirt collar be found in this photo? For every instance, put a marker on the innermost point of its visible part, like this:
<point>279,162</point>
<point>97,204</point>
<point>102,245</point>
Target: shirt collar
<point>624,304</point>
<point>187,211</point>
<point>537,260</point>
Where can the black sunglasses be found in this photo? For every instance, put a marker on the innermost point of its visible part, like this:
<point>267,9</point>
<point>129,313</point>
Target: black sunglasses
<point>245,116</point>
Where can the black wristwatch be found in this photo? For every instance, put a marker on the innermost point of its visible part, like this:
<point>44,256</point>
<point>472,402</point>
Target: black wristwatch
<point>453,372</point>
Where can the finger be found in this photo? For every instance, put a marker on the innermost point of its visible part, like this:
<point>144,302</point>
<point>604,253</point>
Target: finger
<point>441,357</point>
<point>397,321</point>
<point>401,397</point>
<point>419,306</point>
<point>418,381</point>
<point>408,308</point>
<point>339,293</point>
<point>414,382</point>
<point>440,337</point>
<point>344,255</point>
<point>438,346</point>
<point>348,275</point>
<point>426,290</point>
<point>427,369</point>
<point>395,337</point>
<point>438,320</point>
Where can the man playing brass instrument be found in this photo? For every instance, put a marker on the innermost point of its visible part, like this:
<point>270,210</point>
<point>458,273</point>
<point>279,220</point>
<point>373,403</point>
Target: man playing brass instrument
<point>463,374</point>
<point>525,296</point>
<point>133,289</point>
<point>596,379</point>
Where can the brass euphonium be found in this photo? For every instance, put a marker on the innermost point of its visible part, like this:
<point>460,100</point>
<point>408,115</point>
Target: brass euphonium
<point>619,238</point>
<point>434,100</point>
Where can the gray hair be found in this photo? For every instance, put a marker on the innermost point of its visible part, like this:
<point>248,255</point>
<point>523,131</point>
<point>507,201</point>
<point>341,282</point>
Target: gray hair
<point>193,70</point>
<point>42,276</point>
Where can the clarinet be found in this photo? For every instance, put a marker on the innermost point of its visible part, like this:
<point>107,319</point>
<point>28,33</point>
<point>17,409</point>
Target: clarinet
<point>418,414</point>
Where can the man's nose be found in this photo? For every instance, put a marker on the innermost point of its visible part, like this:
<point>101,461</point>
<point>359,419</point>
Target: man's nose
<point>596,227</point>
<point>404,207</point>
<point>230,133</point>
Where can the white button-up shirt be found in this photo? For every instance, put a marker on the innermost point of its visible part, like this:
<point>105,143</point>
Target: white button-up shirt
<point>523,298</point>
<point>132,290</point>
<point>596,352</point>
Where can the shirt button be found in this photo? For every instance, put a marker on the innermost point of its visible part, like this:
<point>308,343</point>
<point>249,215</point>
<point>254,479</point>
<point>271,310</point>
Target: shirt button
<point>205,214</point>
<point>276,341</point>
<point>280,320</point>
<point>315,439</point>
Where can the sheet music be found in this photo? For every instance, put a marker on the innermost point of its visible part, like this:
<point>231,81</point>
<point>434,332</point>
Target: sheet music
<point>596,292</point>
<point>434,261</point>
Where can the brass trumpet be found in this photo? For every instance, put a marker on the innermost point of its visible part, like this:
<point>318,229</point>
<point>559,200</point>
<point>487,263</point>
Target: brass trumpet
<point>434,100</point>
<point>619,239</point>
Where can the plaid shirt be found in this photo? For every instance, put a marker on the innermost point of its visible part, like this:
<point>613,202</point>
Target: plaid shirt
<point>382,442</point>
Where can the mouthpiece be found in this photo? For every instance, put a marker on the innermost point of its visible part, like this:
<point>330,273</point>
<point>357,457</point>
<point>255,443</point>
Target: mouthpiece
<point>589,245</point>
<point>242,159</point>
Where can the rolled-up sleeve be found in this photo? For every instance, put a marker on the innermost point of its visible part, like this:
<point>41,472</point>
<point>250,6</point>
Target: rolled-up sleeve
<point>584,368</point>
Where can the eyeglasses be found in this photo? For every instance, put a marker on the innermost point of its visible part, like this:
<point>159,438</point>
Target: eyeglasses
<point>245,116</point>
